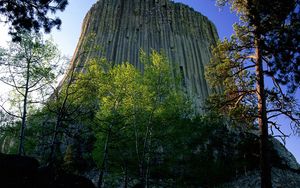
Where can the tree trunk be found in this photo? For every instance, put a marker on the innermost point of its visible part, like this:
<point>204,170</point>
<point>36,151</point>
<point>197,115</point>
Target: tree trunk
<point>54,140</point>
<point>262,118</point>
<point>144,160</point>
<point>126,176</point>
<point>59,119</point>
<point>148,159</point>
<point>24,114</point>
<point>105,158</point>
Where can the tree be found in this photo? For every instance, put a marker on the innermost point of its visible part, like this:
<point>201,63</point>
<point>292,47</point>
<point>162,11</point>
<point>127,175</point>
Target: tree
<point>8,133</point>
<point>163,100</point>
<point>264,49</point>
<point>30,15</point>
<point>116,89</point>
<point>31,66</point>
<point>71,103</point>
<point>131,104</point>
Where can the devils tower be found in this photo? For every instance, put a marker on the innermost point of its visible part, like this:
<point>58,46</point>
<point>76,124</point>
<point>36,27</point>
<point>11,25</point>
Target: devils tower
<point>124,27</point>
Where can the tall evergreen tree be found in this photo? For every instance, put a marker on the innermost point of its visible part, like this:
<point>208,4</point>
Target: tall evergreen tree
<point>260,65</point>
<point>30,15</point>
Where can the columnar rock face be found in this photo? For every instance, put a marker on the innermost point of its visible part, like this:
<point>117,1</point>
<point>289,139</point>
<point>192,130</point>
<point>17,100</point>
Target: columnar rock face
<point>123,27</point>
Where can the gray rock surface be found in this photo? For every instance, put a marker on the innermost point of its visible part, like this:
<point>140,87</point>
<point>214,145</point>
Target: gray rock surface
<point>287,158</point>
<point>123,27</point>
<point>280,179</point>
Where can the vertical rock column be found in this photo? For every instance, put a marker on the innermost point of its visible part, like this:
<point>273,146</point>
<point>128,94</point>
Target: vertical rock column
<point>123,27</point>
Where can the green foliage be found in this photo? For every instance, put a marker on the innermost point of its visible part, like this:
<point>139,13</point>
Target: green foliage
<point>144,122</point>
<point>31,16</point>
<point>150,129</point>
<point>8,137</point>
<point>30,66</point>
<point>72,162</point>
<point>35,133</point>
<point>29,69</point>
<point>125,94</point>
<point>130,104</point>
<point>233,63</point>
<point>72,105</point>
<point>262,49</point>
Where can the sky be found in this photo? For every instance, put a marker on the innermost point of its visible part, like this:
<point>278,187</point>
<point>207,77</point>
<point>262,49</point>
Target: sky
<point>67,37</point>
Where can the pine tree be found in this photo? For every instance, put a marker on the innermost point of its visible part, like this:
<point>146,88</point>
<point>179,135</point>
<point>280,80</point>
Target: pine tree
<point>264,49</point>
<point>30,15</point>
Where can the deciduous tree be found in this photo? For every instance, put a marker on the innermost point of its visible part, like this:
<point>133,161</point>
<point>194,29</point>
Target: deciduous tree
<point>131,104</point>
<point>30,67</point>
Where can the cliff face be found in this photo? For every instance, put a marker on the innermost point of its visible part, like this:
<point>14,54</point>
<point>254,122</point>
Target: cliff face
<point>123,27</point>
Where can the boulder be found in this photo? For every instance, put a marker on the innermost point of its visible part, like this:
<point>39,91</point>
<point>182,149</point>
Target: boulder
<point>21,171</point>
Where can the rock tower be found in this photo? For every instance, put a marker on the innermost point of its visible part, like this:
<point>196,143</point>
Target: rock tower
<point>123,27</point>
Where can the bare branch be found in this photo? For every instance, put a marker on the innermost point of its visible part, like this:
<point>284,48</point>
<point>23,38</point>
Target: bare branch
<point>9,113</point>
